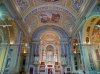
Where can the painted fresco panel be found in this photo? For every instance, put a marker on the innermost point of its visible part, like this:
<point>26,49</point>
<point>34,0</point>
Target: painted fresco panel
<point>76,4</point>
<point>23,4</point>
<point>68,25</point>
<point>49,17</point>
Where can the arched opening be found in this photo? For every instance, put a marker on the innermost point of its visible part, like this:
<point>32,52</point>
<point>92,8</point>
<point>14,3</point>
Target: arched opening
<point>9,37</point>
<point>9,28</point>
<point>50,51</point>
<point>75,45</point>
<point>91,41</point>
<point>12,30</point>
<point>23,55</point>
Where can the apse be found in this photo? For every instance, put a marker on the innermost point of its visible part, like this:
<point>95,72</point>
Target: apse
<point>49,49</point>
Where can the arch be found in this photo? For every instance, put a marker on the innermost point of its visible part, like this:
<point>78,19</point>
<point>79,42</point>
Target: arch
<point>54,35</point>
<point>49,48</point>
<point>75,46</point>
<point>91,39</point>
<point>12,31</point>
<point>88,28</point>
<point>38,33</point>
<point>25,45</point>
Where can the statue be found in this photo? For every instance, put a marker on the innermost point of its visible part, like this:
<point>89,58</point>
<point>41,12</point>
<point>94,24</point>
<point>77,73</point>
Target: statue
<point>50,56</point>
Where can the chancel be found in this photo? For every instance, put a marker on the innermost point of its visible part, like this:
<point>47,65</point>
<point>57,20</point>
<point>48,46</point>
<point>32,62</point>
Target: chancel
<point>49,36</point>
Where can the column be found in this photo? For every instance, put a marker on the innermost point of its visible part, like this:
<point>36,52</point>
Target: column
<point>17,50</point>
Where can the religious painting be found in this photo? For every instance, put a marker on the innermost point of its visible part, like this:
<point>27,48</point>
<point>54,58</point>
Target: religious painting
<point>90,58</point>
<point>97,54</point>
<point>23,4</point>
<point>49,53</point>
<point>50,0</point>
<point>76,4</point>
<point>49,17</point>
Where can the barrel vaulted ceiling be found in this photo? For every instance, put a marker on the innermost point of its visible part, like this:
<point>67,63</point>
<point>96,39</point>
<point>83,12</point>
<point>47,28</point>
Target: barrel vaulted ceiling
<point>62,13</point>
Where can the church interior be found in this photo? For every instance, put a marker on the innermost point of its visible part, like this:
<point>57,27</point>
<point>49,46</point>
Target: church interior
<point>49,36</point>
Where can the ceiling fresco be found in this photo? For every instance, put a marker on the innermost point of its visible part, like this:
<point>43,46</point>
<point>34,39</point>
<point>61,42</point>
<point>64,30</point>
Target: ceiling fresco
<point>49,17</point>
<point>61,13</point>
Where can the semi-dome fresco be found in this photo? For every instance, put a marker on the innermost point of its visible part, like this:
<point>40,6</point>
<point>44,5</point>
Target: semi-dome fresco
<point>49,17</point>
<point>50,0</point>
